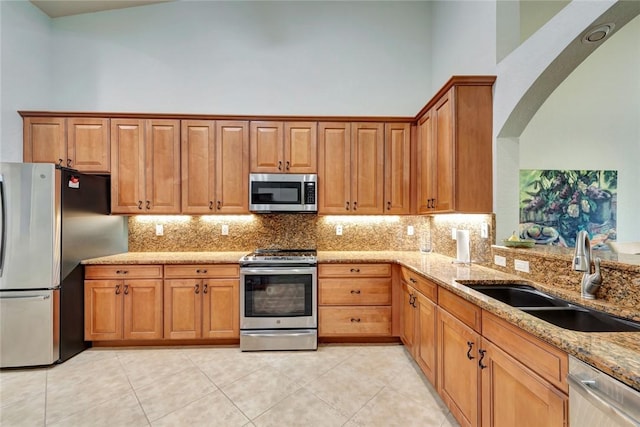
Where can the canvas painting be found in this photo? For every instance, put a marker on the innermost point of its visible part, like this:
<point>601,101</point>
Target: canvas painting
<point>556,204</point>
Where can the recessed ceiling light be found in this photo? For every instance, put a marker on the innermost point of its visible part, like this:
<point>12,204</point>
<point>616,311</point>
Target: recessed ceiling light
<point>597,34</point>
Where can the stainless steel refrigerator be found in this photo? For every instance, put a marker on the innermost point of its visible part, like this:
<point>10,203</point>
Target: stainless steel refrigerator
<point>50,219</point>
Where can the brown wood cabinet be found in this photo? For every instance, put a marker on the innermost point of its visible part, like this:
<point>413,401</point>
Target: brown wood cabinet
<point>418,316</point>
<point>145,176</point>
<point>78,143</point>
<point>351,168</point>
<point>397,168</point>
<point>454,152</point>
<point>201,301</point>
<point>214,167</point>
<point>123,302</point>
<point>354,300</point>
<point>283,147</point>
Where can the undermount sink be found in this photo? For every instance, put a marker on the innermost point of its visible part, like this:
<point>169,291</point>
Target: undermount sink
<point>555,310</point>
<point>519,295</point>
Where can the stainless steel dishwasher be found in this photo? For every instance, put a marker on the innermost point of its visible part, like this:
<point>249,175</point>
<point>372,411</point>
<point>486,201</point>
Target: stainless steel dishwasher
<point>596,399</point>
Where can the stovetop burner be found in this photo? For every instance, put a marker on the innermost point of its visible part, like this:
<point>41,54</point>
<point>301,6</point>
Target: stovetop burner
<point>270,255</point>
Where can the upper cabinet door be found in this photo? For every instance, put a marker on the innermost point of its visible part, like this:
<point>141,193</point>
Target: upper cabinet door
<point>232,167</point>
<point>88,144</point>
<point>444,154</point>
<point>127,173</point>
<point>267,154</point>
<point>162,151</point>
<point>397,174</point>
<point>198,166</point>
<point>334,171</point>
<point>367,170</point>
<point>44,140</point>
<point>425,169</point>
<point>300,147</point>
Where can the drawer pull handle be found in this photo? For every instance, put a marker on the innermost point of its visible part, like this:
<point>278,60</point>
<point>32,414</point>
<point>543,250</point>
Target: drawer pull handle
<point>219,205</point>
<point>197,288</point>
<point>388,206</point>
<point>279,165</point>
<point>469,356</point>
<point>482,352</point>
<point>412,280</point>
<point>69,162</point>
<point>355,270</point>
<point>117,289</point>
<point>122,271</point>
<point>126,289</point>
<point>148,206</point>
<point>211,205</point>
<point>140,204</point>
<point>355,291</point>
<point>355,320</point>
<point>355,206</point>
<point>412,301</point>
<point>347,206</point>
<point>201,271</point>
<point>287,167</point>
<point>205,288</point>
<point>59,162</point>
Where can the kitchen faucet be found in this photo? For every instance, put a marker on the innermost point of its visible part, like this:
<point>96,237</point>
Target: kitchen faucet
<point>582,262</point>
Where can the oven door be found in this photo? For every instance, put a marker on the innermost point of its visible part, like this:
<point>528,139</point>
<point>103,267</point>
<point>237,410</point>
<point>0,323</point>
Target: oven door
<point>278,297</point>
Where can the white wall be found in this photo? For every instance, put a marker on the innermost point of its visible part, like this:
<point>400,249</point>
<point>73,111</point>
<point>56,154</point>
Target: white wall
<point>464,40</point>
<point>293,58</point>
<point>25,82</point>
<point>592,121</point>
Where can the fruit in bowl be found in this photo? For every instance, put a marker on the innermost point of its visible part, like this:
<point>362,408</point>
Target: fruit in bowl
<point>514,241</point>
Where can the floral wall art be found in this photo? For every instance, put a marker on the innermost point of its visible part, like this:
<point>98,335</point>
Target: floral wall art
<point>556,204</point>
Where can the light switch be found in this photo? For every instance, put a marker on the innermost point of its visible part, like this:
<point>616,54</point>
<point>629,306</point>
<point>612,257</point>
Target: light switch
<point>410,230</point>
<point>484,230</point>
<point>159,230</point>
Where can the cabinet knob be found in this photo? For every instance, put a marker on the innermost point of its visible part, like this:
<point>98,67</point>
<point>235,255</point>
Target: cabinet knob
<point>355,291</point>
<point>279,165</point>
<point>140,204</point>
<point>211,205</point>
<point>148,206</point>
<point>469,356</point>
<point>287,167</point>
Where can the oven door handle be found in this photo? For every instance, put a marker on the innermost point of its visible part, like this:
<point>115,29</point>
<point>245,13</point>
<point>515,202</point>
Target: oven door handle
<point>262,270</point>
<point>288,333</point>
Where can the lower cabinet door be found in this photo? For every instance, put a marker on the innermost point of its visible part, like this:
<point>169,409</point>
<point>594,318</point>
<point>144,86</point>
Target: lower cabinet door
<point>458,372</point>
<point>182,308</point>
<point>143,309</point>
<point>103,310</point>
<point>425,351</point>
<point>514,395</point>
<point>221,309</point>
<point>354,321</point>
<point>408,317</point>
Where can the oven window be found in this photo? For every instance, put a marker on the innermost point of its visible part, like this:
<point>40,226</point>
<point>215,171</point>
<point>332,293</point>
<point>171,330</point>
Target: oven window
<point>287,193</point>
<point>278,296</point>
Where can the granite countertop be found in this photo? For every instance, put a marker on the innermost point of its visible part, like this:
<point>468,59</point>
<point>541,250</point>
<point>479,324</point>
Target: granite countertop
<point>617,354</point>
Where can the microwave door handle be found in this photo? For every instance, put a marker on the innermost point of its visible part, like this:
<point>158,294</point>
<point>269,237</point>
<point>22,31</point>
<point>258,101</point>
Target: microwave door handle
<point>3,225</point>
<point>277,271</point>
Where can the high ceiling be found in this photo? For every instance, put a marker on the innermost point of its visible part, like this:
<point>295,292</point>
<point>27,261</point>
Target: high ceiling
<point>58,8</point>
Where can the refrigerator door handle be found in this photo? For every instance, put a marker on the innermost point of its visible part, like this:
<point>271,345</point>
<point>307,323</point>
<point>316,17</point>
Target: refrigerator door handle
<point>36,298</point>
<point>2,224</point>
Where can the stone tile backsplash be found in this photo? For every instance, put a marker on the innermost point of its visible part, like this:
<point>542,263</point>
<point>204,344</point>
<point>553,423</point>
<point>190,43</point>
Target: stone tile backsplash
<point>359,233</point>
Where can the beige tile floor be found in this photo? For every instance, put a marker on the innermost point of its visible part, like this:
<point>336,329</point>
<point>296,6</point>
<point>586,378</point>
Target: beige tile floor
<point>338,385</point>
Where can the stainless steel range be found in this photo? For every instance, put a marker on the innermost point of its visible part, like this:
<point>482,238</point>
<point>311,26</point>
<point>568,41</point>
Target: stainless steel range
<point>279,300</point>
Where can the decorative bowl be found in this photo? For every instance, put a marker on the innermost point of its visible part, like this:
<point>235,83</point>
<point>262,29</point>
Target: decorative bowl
<point>519,243</point>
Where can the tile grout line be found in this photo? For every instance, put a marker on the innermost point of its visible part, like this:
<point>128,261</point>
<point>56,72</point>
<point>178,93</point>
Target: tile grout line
<point>124,371</point>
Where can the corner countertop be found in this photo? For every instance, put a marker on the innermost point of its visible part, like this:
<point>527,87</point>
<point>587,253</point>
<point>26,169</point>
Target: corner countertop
<point>617,354</point>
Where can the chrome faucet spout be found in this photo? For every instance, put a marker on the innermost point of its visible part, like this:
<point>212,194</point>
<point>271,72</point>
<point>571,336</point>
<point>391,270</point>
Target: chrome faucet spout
<point>582,262</point>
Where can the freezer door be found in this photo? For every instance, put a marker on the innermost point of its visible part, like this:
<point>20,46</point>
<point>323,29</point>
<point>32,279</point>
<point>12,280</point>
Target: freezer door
<point>30,256</point>
<point>29,329</point>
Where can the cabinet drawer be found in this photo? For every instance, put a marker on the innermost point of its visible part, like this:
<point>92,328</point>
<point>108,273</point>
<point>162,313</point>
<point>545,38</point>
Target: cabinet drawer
<point>424,286</point>
<point>542,358</point>
<point>467,312</point>
<point>354,321</point>
<point>123,271</point>
<point>368,291</point>
<point>354,270</point>
<point>201,270</point>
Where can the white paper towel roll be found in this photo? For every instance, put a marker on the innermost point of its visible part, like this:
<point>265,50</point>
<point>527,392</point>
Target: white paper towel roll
<point>463,249</point>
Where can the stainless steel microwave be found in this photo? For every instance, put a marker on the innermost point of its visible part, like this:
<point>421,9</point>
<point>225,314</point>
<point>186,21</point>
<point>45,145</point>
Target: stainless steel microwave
<point>287,192</point>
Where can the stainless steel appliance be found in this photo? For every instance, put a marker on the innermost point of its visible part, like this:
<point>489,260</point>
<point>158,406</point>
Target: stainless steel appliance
<point>50,220</point>
<point>279,300</point>
<point>271,192</point>
<point>596,399</point>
